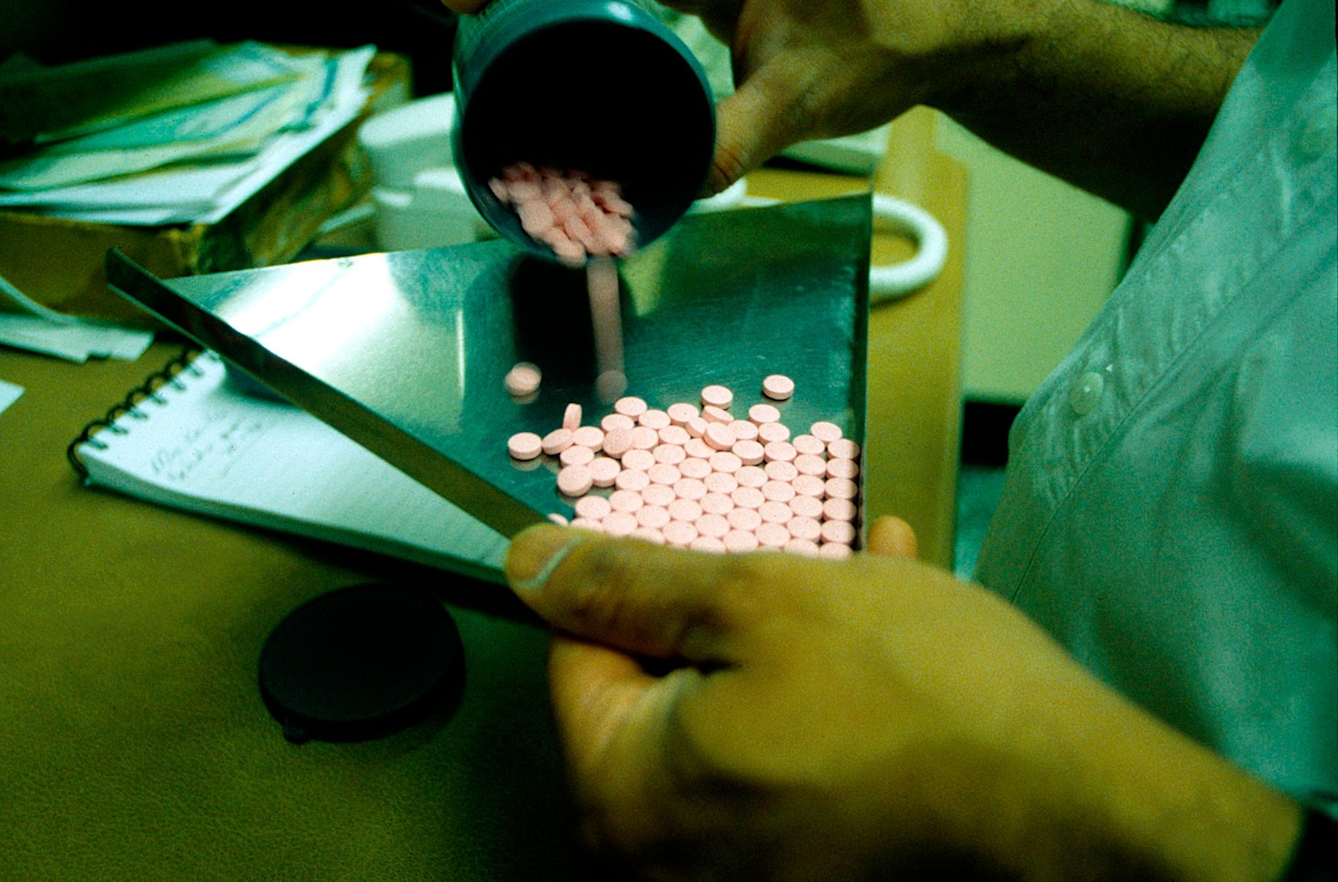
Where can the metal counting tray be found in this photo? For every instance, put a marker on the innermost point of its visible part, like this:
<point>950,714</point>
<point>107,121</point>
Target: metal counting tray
<point>405,352</point>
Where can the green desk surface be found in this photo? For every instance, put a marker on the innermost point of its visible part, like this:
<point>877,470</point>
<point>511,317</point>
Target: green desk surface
<point>133,740</point>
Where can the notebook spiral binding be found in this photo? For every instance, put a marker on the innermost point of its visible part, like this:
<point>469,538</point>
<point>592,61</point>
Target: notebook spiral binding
<point>168,374</point>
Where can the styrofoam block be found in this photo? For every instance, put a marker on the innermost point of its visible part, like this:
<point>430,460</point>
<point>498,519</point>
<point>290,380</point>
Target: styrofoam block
<point>402,142</point>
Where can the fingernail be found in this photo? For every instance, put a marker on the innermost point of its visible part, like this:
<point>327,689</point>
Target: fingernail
<point>536,553</point>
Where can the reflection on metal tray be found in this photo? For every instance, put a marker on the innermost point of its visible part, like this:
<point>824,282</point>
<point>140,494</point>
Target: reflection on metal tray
<point>405,352</point>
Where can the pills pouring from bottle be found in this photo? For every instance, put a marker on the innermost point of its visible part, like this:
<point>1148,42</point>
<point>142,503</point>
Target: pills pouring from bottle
<point>573,214</point>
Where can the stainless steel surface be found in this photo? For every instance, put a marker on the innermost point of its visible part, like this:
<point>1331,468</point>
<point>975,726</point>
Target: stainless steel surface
<point>405,352</point>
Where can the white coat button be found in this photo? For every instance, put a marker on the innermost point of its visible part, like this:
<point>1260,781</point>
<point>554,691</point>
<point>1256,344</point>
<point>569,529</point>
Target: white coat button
<point>1317,138</point>
<point>1086,392</point>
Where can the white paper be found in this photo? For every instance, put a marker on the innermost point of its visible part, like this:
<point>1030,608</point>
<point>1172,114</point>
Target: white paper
<point>72,342</point>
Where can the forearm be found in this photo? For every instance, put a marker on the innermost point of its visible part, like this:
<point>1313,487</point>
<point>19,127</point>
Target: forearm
<point>1111,100</point>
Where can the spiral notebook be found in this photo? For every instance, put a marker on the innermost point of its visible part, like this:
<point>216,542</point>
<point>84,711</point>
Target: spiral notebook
<point>192,438</point>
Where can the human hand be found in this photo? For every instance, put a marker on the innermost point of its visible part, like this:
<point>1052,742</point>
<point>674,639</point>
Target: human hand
<point>819,68</point>
<point>845,720</point>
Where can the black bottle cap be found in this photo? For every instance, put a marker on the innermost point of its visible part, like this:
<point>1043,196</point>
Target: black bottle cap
<point>361,662</point>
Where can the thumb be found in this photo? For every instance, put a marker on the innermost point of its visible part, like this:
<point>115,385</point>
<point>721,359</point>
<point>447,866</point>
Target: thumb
<point>892,537</point>
<point>640,598</point>
<point>762,118</point>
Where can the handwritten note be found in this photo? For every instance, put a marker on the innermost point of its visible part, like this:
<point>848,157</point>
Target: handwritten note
<point>210,449</point>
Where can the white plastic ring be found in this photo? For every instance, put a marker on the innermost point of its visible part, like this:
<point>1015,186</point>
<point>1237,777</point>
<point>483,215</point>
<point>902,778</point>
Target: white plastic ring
<point>890,214</point>
<point>899,279</point>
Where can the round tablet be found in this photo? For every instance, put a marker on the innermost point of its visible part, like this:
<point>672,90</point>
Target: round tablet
<point>840,488</point>
<point>630,406</point>
<point>721,482</point>
<point>748,452</point>
<point>712,525</point>
<point>768,432</point>
<point>747,497</point>
<point>617,442</point>
<point>648,534</point>
<point>676,435</point>
<point>842,468</point>
<point>522,380</point>
<point>575,480</point>
<point>716,503</point>
<point>805,528</point>
<point>809,444</point>
<point>663,473</point>
<point>808,464</point>
<point>696,427</point>
<point>838,531</point>
<point>805,547</point>
<point>708,544</point>
<point>809,485</point>
<point>843,448</point>
<point>779,451</point>
<point>594,508</point>
<point>653,419</point>
<point>746,519</point>
<point>834,550</point>
<point>781,471</point>
<point>658,494</point>
<point>775,512</point>
<point>777,387</point>
<point>524,445</point>
<point>625,500</point>
<point>691,467</point>
<point>839,510</point>
<point>743,430</point>
<point>679,533</point>
<point>806,507</point>
<point>778,491</point>
<point>717,396</point>
<point>689,488</point>
<point>716,415</point>
<point>681,413</point>
<point>772,535</point>
<point>576,456</point>
<point>751,476</point>
<point>828,432</point>
<point>653,516</point>
<point>571,417</point>
<point>631,479</point>
<point>724,461</point>
<point>739,541</point>
<point>603,471</point>
<point>698,448</point>
<point>619,523</point>
<point>640,460</point>
<point>557,441</point>
<point>763,413</point>
<point>588,436</point>
<point>670,453</point>
<point>559,520</point>
<point>645,438</point>
<point>613,421</point>
<point>719,436</point>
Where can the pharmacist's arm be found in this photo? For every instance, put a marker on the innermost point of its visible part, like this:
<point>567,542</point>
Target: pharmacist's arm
<point>1113,101</point>
<point>869,718</point>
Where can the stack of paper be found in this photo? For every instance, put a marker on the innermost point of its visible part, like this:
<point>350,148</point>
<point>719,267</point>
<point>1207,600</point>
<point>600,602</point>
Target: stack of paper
<point>181,134</point>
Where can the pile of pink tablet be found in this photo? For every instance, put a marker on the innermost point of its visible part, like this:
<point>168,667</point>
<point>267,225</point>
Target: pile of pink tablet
<point>575,215</point>
<point>705,477</point>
